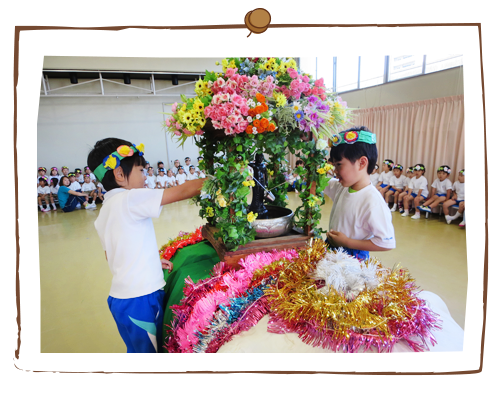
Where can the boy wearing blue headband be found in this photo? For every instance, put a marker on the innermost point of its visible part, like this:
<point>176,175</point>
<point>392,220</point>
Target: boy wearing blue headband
<point>360,220</point>
<point>127,235</point>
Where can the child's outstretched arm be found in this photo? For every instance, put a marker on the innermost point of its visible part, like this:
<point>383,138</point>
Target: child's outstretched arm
<point>184,191</point>
<point>338,239</point>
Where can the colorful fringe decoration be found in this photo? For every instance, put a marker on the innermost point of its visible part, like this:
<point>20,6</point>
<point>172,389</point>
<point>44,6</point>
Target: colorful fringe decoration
<point>328,298</point>
<point>167,251</point>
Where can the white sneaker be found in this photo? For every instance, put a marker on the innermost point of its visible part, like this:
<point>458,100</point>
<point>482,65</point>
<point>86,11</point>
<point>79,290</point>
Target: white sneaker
<point>46,210</point>
<point>79,206</point>
<point>448,219</point>
<point>462,224</point>
<point>405,214</point>
<point>89,207</point>
<point>416,216</point>
<point>394,208</point>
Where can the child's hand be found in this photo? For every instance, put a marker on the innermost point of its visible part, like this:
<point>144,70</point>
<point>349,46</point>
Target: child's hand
<point>337,239</point>
<point>167,265</point>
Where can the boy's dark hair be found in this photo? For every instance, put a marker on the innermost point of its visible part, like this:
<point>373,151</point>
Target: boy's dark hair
<point>105,147</point>
<point>61,180</point>
<point>199,158</point>
<point>355,151</point>
<point>42,179</point>
<point>421,165</point>
<point>298,162</point>
<point>54,181</point>
<point>389,163</point>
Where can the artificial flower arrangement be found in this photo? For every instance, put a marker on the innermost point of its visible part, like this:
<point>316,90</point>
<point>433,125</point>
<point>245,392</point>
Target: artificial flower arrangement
<point>258,105</point>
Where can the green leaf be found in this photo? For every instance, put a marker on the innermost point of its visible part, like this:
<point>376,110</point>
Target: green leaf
<point>239,213</point>
<point>242,192</point>
<point>239,148</point>
<point>183,98</point>
<point>232,232</point>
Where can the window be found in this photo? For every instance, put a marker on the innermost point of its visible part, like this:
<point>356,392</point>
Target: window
<point>347,73</point>
<point>371,71</point>
<point>435,63</point>
<point>404,66</point>
<point>325,70</point>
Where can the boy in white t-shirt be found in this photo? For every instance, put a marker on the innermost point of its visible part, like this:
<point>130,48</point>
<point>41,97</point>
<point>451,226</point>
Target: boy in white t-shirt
<point>150,179</point>
<point>360,220</point>
<point>417,191</point>
<point>192,175</point>
<point>458,198</point>
<point>79,176</point>
<point>89,188</point>
<point>127,235</point>
<point>409,176</point>
<point>374,176</point>
<point>396,186</point>
<point>171,182</point>
<point>43,191</point>
<point>385,177</point>
<point>181,177</point>
<point>91,175</point>
<point>161,179</point>
<point>100,191</point>
<point>41,173</point>
<point>440,190</point>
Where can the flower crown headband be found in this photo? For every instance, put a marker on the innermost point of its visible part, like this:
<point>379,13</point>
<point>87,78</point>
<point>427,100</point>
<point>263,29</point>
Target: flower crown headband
<point>462,172</point>
<point>351,137</point>
<point>410,170</point>
<point>43,178</point>
<point>445,168</point>
<point>389,164</point>
<point>399,166</point>
<point>112,161</point>
<point>419,168</point>
<point>42,168</point>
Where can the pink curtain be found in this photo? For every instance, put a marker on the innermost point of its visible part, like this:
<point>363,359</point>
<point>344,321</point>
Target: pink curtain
<point>429,132</point>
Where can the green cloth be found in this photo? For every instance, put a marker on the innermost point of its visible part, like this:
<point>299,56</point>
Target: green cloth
<point>351,191</point>
<point>195,261</point>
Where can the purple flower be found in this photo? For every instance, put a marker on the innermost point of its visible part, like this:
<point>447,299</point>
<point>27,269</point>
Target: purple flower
<point>313,99</point>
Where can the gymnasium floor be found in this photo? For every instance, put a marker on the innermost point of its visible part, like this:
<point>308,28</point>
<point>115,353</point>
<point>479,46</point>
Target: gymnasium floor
<point>75,277</point>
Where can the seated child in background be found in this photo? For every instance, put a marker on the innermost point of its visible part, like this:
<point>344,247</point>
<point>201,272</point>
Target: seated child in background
<point>41,173</point>
<point>180,178</point>
<point>201,174</point>
<point>440,189</point>
<point>54,189</point>
<point>79,176</point>
<point>397,185</point>
<point>417,191</point>
<point>385,177</point>
<point>175,169</point>
<point>171,182</point>
<point>360,220</point>
<point>409,176</point>
<point>73,184</point>
<point>458,198</point>
<point>192,175</point>
<point>159,166</point>
<point>127,235</point>
<point>69,199</point>
<point>89,188</point>
<point>44,193</point>
<point>65,172</point>
<point>91,175</point>
<point>54,174</point>
<point>298,185</point>
<point>161,179</point>
<point>101,191</point>
<point>146,168</point>
<point>151,179</point>
<point>374,176</point>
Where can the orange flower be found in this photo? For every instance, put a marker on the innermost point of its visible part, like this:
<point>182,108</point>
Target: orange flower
<point>260,98</point>
<point>264,122</point>
<point>260,130</point>
<point>272,127</point>
<point>252,112</point>
<point>259,109</point>
<point>256,123</point>
<point>249,130</point>
<point>265,107</point>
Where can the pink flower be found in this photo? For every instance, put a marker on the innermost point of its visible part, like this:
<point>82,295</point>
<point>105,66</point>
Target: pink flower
<point>244,110</point>
<point>293,74</point>
<point>323,97</point>
<point>295,84</point>
<point>254,81</point>
<point>319,82</point>
<point>177,132</point>
<point>186,131</point>
<point>174,107</point>
<point>237,99</point>
<point>178,126</point>
<point>167,122</point>
<point>269,79</point>
<point>305,78</point>
<point>219,83</point>
<point>230,72</point>
<point>199,132</point>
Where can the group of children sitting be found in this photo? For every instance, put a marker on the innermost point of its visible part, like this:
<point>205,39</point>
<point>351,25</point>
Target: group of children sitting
<point>174,176</point>
<point>413,189</point>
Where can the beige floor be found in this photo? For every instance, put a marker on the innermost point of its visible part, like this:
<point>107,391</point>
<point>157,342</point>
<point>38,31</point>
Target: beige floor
<point>75,278</point>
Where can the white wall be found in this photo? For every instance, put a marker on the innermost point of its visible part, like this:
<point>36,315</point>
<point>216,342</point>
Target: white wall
<point>438,84</point>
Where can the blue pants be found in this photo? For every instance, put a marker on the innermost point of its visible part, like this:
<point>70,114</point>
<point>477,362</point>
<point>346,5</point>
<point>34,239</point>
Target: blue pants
<point>139,321</point>
<point>72,202</point>
<point>358,254</point>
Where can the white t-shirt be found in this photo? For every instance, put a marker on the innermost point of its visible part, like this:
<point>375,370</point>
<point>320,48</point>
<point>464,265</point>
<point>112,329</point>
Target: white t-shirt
<point>190,176</point>
<point>171,181</point>
<point>43,190</point>
<point>181,178</point>
<point>158,171</point>
<point>99,185</point>
<point>92,177</point>
<point>202,175</point>
<point>419,184</point>
<point>162,180</point>
<point>128,237</point>
<point>88,187</point>
<point>75,186</point>
<point>398,182</point>
<point>407,181</point>
<point>459,188</point>
<point>361,215</point>
<point>151,181</point>
<point>442,186</point>
<point>374,177</point>
<point>385,178</point>
<point>54,190</point>
<point>175,170</point>
<point>79,178</point>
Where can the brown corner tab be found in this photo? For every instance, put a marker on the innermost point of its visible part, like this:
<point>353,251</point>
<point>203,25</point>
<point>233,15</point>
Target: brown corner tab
<point>257,21</point>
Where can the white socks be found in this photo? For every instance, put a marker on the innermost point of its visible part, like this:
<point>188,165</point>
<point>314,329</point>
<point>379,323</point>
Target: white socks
<point>54,206</point>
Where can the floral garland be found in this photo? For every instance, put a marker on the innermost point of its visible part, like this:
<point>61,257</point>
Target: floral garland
<point>368,307</point>
<point>167,251</point>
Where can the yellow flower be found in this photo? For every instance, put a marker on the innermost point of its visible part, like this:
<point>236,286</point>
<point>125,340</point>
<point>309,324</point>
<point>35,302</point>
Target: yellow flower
<point>270,172</point>
<point>111,162</point>
<point>251,216</point>
<point>321,171</point>
<point>187,118</point>
<point>224,65</point>
<point>232,64</point>
<point>210,212</point>
<point>246,183</point>
<point>311,203</point>
<point>221,201</point>
<point>280,99</point>
<point>218,192</point>
<point>198,105</point>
